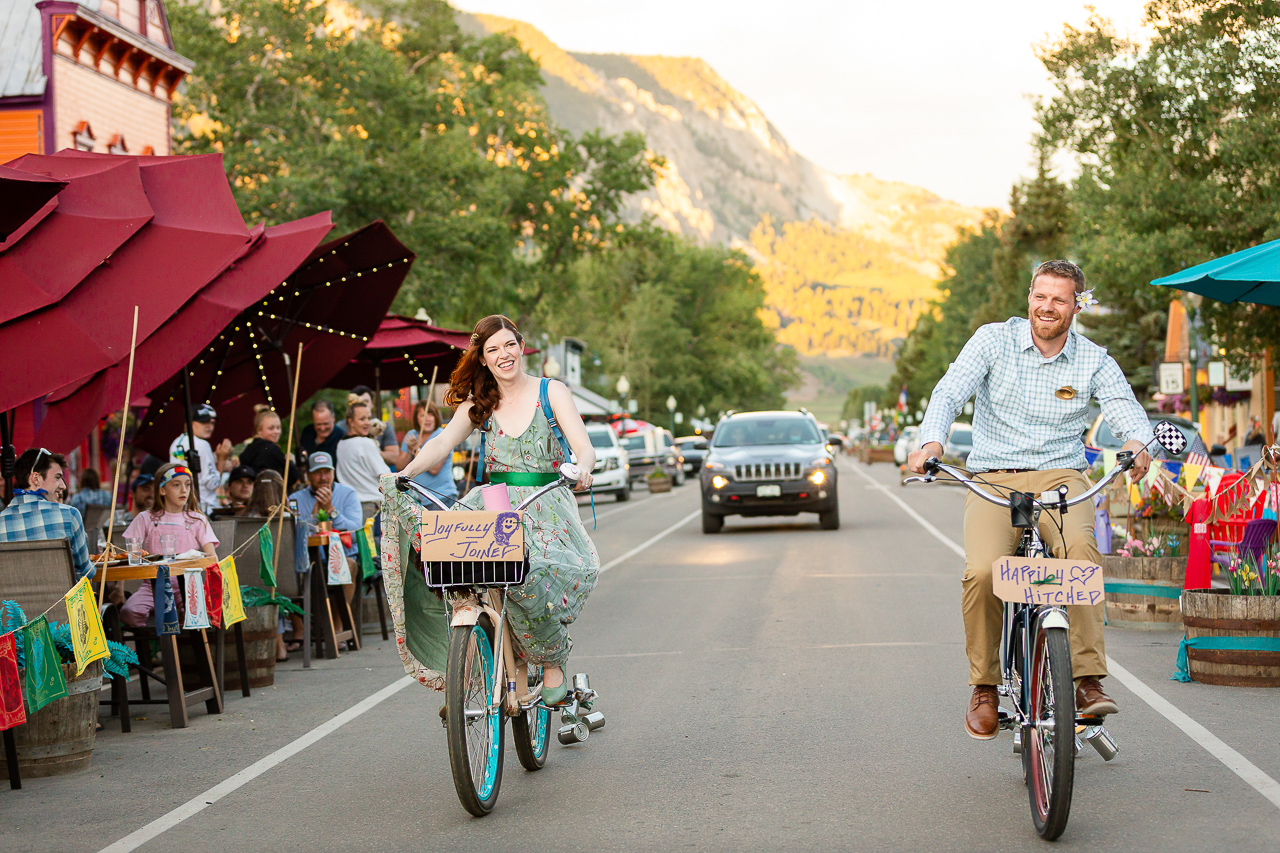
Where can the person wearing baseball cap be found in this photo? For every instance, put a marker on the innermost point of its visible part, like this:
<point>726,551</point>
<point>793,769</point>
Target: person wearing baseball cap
<point>239,490</point>
<point>212,463</point>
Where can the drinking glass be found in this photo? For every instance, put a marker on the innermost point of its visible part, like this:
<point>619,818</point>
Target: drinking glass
<point>168,545</point>
<point>133,544</point>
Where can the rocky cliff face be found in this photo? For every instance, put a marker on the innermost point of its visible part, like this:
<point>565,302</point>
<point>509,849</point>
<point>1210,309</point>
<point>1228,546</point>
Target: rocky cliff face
<point>729,170</point>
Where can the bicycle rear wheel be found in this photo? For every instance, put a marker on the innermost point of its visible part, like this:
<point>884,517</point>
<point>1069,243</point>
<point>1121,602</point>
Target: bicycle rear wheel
<point>1049,742</point>
<point>530,731</point>
<point>474,735</point>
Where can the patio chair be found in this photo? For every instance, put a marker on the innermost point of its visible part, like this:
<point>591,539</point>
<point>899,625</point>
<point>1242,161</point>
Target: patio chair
<point>1252,545</point>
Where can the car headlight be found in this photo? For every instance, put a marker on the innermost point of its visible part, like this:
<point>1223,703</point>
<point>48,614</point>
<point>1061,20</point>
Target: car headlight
<point>719,482</point>
<point>820,461</point>
<point>818,477</point>
<point>713,466</point>
<point>610,463</point>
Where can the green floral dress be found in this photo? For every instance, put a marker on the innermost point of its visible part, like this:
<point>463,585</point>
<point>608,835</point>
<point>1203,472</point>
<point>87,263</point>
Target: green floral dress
<point>563,563</point>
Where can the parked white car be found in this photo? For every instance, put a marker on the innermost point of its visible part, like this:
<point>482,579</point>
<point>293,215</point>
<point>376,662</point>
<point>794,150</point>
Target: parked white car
<point>908,441</point>
<point>612,471</point>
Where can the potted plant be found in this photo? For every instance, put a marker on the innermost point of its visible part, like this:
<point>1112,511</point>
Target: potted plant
<point>658,481</point>
<point>1233,635</point>
<point>1146,572</point>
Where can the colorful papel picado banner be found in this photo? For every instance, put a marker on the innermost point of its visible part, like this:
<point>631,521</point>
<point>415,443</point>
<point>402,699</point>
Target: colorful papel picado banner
<point>11,710</point>
<point>232,604</point>
<point>213,595</point>
<point>87,637</point>
<point>193,596</point>
<point>165,605</point>
<point>266,550</point>
<point>339,571</point>
<point>364,546</point>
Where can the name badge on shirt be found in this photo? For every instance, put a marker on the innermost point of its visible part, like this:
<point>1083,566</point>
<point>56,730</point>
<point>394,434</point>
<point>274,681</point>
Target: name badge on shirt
<point>1066,392</point>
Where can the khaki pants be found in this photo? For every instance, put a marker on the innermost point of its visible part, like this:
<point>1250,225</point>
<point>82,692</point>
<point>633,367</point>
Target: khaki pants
<point>988,537</point>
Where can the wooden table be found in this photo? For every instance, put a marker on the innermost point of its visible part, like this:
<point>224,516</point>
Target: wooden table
<point>178,697</point>
<point>326,601</point>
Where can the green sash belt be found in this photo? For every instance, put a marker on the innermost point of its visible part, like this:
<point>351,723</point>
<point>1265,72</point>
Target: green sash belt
<point>523,478</point>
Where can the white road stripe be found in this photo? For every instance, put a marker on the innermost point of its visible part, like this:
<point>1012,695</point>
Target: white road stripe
<point>200,802</point>
<point>1234,761</point>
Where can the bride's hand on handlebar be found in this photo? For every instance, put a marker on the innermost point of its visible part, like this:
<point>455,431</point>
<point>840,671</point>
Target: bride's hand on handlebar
<point>584,482</point>
<point>1141,459</point>
<point>917,458</point>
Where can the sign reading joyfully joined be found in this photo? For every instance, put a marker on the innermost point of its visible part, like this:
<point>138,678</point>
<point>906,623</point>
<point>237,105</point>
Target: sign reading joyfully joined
<point>454,536</point>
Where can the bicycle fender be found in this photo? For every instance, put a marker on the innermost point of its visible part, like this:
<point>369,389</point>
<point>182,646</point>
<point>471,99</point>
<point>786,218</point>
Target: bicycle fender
<point>465,614</point>
<point>1055,618</point>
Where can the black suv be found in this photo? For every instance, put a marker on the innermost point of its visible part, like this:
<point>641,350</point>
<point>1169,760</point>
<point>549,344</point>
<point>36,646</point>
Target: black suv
<point>768,463</point>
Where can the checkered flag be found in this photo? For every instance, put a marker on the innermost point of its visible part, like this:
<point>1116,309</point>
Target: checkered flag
<point>1171,438</point>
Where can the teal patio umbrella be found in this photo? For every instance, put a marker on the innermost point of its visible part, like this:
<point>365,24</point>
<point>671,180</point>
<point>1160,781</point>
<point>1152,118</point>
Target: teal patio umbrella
<point>1251,275</point>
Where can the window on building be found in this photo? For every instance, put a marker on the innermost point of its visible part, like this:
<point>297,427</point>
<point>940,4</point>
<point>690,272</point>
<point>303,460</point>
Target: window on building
<point>82,137</point>
<point>116,144</point>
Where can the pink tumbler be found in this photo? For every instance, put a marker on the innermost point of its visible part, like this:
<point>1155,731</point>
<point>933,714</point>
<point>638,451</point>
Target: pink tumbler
<point>495,497</point>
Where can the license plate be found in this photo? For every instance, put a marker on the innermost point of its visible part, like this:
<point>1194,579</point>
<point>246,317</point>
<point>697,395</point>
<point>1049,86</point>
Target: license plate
<point>688,466</point>
<point>768,491</point>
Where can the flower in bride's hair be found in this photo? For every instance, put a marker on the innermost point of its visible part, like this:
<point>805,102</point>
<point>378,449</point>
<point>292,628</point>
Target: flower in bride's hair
<point>1085,298</point>
<point>475,338</point>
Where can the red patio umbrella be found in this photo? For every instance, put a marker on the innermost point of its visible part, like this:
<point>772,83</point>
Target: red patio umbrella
<point>102,207</point>
<point>195,233</point>
<point>403,353</point>
<point>332,306</point>
<point>275,253</point>
<point>24,198</point>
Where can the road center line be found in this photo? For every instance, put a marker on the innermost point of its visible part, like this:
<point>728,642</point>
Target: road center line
<point>1253,776</point>
<point>200,802</point>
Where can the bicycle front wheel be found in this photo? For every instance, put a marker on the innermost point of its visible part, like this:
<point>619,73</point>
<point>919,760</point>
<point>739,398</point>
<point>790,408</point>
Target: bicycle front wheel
<point>530,732</point>
<point>1050,739</point>
<point>474,734</point>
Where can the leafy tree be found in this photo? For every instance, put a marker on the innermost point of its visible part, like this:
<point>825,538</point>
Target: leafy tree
<point>404,117</point>
<point>1179,146</point>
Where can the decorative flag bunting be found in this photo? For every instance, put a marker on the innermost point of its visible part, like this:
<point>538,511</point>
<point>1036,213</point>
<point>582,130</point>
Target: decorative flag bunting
<point>213,595</point>
<point>193,594</point>
<point>267,551</point>
<point>88,639</point>
<point>366,551</point>
<point>232,604</point>
<point>339,571</point>
<point>11,710</point>
<point>165,606</point>
<point>45,681</point>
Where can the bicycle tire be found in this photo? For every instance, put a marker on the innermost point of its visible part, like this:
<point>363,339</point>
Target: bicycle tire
<point>476,744</point>
<point>531,733</point>
<point>1051,760</point>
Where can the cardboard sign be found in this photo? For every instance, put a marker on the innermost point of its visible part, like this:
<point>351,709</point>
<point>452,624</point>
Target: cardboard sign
<point>1046,580</point>
<point>453,536</point>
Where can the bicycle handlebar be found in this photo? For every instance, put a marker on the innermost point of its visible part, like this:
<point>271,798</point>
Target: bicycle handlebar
<point>1124,461</point>
<point>568,477</point>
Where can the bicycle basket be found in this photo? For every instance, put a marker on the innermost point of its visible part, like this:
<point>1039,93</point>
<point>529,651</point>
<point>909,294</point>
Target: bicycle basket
<point>479,548</point>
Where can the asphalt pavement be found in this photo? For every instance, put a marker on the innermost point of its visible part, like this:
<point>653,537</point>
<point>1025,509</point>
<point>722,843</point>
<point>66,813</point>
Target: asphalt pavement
<point>773,687</point>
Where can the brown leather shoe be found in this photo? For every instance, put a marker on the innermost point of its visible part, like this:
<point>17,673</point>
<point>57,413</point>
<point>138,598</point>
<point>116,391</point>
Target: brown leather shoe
<point>1091,701</point>
<point>983,718</point>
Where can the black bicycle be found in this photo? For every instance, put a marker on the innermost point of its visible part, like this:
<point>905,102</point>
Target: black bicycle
<point>1035,652</point>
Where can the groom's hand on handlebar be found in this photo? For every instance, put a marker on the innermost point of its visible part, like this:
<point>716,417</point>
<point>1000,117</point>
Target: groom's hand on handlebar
<point>917,458</point>
<point>1141,459</point>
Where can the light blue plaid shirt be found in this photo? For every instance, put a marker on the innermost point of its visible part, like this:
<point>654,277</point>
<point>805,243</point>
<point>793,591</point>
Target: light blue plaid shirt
<point>1018,419</point>
<point>30,517</point>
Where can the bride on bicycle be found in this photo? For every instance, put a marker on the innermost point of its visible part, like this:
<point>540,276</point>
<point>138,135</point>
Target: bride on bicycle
<point>490,391</point>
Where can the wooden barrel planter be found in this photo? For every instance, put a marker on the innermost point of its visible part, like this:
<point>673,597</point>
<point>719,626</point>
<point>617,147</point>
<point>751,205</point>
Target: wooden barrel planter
<point>658,484</point>
<point>59,737</point>
<point>259,629</point>
<point>1143,592</point>
<point>1218,613</point>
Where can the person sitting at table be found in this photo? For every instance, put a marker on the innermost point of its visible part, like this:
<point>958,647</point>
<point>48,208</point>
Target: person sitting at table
<point>263,452</point>
<point>360,464</point>
<point>239,491</point>
<point>142,494</point>
<point>321,435</point>
<point>428,424</point>
<point>90,492</point>
<point>341,510</point>
<point>33,514</point>
<point>268,492</point>
<point>386,440</point>
<point>175,514</point>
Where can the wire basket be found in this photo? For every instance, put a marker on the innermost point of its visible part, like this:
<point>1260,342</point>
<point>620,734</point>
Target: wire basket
<point>470,573</point>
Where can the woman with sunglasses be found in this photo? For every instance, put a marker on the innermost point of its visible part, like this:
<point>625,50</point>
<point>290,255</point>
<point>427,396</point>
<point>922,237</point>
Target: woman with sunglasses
<point>175,513</point>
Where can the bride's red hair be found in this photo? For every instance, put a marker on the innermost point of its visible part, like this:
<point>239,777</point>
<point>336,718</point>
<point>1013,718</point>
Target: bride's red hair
<point>471,379</point>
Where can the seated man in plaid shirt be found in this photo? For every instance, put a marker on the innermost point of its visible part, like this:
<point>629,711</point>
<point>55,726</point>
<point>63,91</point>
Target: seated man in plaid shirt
<point>33,514</point>
<point>1033,379</point>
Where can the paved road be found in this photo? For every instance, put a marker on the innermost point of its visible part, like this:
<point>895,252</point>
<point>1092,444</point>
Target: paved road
<point>774,686</point>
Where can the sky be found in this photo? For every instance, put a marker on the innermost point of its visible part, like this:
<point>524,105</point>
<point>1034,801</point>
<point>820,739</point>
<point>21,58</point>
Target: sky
<point>935,93</point>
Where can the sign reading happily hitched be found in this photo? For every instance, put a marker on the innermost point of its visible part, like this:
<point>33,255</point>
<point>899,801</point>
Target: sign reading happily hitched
<point>1046,580</point>
<point>449,537</point>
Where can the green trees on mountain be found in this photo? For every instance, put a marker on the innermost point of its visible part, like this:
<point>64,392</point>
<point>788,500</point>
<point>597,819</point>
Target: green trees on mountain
<point>1178,144</point>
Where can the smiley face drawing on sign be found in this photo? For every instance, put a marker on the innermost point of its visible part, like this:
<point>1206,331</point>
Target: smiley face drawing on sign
<point>508,524</point>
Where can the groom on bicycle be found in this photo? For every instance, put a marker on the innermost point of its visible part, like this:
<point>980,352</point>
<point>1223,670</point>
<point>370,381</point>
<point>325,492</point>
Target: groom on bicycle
<point>1033,379</point>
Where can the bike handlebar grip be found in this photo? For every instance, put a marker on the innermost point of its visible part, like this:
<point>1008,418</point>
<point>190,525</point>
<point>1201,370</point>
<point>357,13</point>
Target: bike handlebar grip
<point>931,465</point>
<point>1125,458</point>
<point>402,484</point>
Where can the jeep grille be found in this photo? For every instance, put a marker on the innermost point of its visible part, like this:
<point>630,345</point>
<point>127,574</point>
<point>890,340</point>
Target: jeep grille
<point>768,471</point>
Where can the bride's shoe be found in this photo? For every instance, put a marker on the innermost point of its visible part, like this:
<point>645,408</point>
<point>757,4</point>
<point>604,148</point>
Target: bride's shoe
<point>555,695</point>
